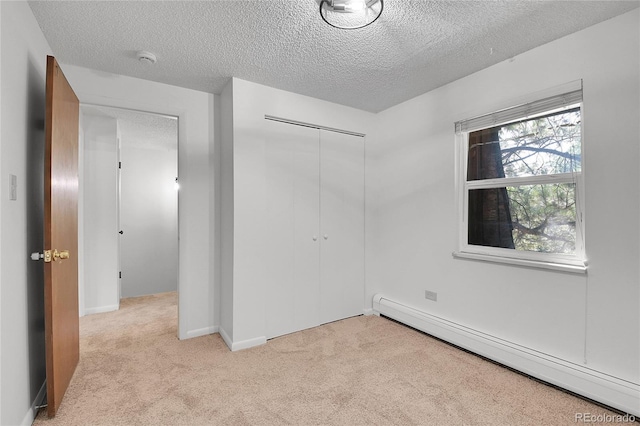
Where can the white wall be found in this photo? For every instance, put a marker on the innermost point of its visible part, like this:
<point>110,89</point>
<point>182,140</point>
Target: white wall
<point>23,68</point>
<point>250,103</point>
<point>215,206</point>
<point>195,141</point>
<point>226,213</point>
<point>23,63</point>
<point>410,201</point>
<point>588,319</point>
<point>149,219</point>
<point>1,173</point>
<point>99,279</point>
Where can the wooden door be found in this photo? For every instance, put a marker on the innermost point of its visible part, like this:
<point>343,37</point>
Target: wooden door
<point>60,235</point>
<point>341,225</point>
<point>291,249</point>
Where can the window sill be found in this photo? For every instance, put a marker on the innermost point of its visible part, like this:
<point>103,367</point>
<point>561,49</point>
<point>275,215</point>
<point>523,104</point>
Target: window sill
<point>562,267</point>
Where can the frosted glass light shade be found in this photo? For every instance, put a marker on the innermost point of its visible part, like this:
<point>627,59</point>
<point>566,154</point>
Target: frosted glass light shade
<point>350,14</point>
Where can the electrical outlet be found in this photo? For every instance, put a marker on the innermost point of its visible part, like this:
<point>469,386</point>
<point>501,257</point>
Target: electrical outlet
<point>13,187</point>
<point>431,295</point>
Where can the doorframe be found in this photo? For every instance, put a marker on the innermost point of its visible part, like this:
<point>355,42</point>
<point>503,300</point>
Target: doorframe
<point>178,114</point>
<point>119,207</point>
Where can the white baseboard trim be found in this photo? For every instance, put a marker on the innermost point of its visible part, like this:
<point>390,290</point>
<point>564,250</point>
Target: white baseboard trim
<point>606,389</point>
<point>243,344</point>
<point>202,331</point>
<point>225,337</point>
<point>367,311</point>
<point>33,410</point>
<point>101,309</point>
<point>249,343</point>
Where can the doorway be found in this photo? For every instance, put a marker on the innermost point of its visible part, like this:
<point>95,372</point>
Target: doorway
<point>129,206</point>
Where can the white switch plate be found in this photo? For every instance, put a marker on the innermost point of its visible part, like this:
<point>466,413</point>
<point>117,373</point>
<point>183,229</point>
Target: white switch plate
<point>13,187</point>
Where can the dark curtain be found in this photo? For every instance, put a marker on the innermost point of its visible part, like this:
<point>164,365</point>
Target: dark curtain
<point>489,215</point>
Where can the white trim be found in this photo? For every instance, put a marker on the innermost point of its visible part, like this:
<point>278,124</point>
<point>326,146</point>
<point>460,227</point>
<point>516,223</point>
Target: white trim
<point>205,331</point>
<point>243,344</point>
<point>225,337</point>
<point>367,312</point>
<point>562,267</point>
<point>528,111</point>
<point>249,343</point>
<point>101,309</point>
<point>80,213</point>
<point>174,109</point>
<point>489,108</point>
<point>313,126</point>
<point>574,263</point>
<point>33,410</point>
<point>606,389</point>
<point>523,181</point>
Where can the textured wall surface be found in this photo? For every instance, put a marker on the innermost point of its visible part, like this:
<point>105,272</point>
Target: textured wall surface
<point>414,47</point>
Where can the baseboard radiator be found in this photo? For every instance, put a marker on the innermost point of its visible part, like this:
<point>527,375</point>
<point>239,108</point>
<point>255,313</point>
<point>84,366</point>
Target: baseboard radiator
<point>603,388</point>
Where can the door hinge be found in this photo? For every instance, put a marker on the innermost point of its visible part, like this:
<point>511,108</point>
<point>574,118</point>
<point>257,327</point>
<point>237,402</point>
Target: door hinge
<point>120,274</point>
<point>119,164</point>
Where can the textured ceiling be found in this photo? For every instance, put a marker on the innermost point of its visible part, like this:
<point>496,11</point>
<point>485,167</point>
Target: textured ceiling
<point>140,129</point>
<point>414,47</point>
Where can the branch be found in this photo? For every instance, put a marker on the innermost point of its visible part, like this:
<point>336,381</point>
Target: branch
<point>537,231</point>
<point>548,151</point>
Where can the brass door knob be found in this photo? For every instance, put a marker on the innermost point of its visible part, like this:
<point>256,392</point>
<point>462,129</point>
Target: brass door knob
<point>64,254</point>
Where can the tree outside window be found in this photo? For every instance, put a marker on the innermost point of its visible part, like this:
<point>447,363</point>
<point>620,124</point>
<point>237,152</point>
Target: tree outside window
<point>521,184</point>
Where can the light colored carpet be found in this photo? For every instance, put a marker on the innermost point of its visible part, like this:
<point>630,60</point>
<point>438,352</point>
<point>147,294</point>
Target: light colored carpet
<point>359,371</point>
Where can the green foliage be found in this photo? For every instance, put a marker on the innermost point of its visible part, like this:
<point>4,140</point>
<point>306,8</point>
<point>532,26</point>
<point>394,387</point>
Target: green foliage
<point>542,146</point>
<point>543,216</point>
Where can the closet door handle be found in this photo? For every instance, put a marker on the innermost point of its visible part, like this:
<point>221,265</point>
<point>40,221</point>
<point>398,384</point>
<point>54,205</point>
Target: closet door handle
<point>325,236</point>
<point>315,238</point>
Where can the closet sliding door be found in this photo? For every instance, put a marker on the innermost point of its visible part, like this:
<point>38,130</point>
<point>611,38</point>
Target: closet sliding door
<point>341,225</point>
<point>313,234</point>
<point>291,254</point>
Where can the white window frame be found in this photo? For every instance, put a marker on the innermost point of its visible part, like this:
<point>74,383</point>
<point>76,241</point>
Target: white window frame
<point>575,263</point>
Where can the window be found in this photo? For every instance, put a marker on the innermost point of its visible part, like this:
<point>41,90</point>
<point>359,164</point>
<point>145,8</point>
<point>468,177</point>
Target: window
<point>521,183</point>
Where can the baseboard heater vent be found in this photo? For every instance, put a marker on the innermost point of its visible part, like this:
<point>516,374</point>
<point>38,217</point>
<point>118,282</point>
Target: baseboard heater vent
<point>600,387</point>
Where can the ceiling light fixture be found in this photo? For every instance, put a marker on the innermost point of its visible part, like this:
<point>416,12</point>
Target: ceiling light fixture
<point>146,57</point>
<point>350,14</point>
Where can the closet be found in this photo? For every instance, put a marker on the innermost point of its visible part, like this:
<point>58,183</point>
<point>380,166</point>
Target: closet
<point>314,224</point>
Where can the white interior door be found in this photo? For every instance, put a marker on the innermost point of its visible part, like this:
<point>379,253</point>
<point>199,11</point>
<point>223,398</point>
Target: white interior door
<point>118,219</point>
<point>292,215</point>
<point>341,225</point>
<point>100,211</point>
<point>149,213</point>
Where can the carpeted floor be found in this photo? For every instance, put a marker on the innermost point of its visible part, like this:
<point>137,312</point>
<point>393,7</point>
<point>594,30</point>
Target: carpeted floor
<point>360,371</point>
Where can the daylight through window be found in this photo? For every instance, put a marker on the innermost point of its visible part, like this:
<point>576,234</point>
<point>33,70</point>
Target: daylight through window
<point>521,193</point>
